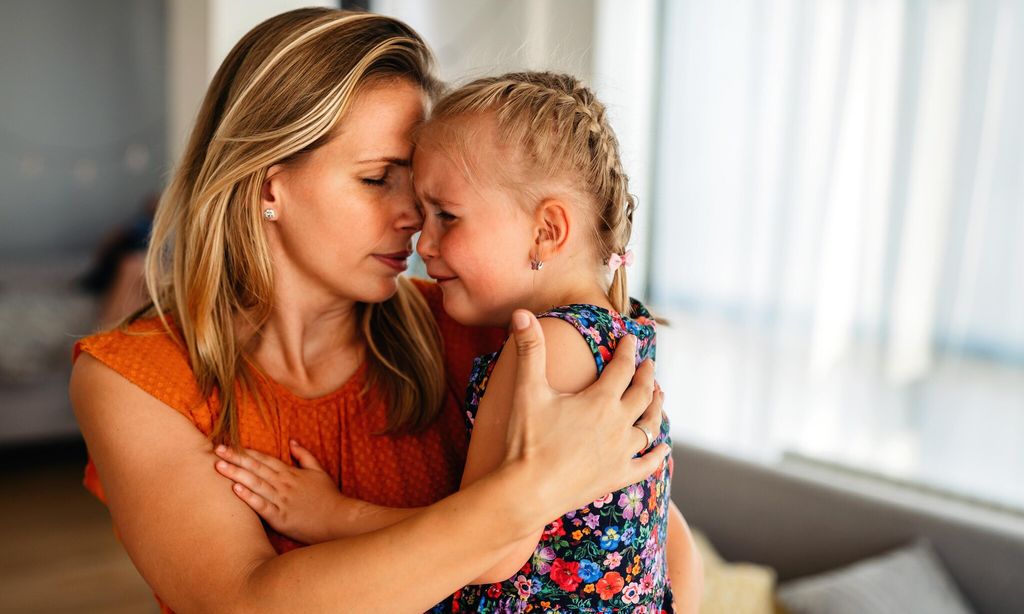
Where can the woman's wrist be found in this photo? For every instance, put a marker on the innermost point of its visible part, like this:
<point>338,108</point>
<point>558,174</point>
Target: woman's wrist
<point>528,504</point>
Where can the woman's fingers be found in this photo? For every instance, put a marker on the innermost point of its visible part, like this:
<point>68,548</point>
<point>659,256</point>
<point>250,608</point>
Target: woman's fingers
<point>531,390</point>
<point>618,372</point>
<point>647,464</point>
<point>651,420</point>
<point>640,393</point>
<point>531,369</point>
<point>304,456</point>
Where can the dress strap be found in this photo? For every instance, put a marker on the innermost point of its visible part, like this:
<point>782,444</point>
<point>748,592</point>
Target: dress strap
<point>602,329</point>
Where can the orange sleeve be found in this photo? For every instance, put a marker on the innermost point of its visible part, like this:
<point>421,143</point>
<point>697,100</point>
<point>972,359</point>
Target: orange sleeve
<point>149,357</point>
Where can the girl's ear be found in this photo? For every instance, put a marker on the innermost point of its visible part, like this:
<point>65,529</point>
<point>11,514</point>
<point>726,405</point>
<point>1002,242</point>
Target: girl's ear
<point>553,224</point>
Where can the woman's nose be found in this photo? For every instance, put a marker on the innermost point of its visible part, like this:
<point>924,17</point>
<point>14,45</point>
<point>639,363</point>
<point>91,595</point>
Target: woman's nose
<point>411,216</point>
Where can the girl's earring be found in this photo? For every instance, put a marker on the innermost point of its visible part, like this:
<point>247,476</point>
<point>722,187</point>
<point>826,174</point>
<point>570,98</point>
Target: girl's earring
<point>536,264</point>
<point>270,215</point>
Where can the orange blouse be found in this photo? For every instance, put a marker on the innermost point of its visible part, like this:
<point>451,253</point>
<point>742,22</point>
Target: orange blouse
<point>339,428</point>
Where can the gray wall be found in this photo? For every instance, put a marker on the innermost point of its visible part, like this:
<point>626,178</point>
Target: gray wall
<point>82,119</point>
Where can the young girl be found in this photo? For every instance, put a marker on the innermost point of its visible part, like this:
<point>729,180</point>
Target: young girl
<point>526,206</point>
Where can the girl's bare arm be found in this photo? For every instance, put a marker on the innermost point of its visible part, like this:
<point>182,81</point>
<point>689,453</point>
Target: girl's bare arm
<point>685,568</point>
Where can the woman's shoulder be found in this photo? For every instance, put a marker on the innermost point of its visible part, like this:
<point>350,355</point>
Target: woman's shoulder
<point>150,355</point>
<point>143,341</point>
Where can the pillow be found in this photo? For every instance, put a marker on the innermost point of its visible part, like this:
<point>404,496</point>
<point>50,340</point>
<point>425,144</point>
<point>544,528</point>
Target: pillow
<point>910,579</point>
<point>734,588</point>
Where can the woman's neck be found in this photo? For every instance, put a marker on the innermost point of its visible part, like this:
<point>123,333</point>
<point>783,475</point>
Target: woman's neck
<point>309,346</point>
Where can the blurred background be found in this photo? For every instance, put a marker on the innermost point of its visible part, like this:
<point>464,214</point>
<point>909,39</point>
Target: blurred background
<point>831,213</point>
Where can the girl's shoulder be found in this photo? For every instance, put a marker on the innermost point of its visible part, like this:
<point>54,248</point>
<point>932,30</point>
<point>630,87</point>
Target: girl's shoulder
<point>602,328</point>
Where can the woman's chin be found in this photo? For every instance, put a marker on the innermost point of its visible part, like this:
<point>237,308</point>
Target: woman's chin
<point>377,290</point>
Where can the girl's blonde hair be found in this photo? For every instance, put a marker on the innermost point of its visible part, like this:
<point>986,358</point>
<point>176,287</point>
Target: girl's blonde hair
<point>556,131</point>
<point>277,96</point>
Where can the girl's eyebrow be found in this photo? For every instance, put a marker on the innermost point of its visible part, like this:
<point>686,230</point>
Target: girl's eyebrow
<point>388,159</point>
<point>432,199</point>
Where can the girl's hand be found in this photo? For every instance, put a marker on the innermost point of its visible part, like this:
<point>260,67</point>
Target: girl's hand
<point>301,502</point>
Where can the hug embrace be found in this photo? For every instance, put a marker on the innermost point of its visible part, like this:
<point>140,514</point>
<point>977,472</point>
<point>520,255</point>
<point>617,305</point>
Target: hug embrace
<point>386,447</point>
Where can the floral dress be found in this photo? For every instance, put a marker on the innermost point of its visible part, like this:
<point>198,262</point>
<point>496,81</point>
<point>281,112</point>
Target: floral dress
<point>610,555</point>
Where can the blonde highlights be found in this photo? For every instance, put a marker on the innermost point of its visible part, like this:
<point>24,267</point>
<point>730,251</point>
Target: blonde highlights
<point>555,130</point>
<point>277,96</point>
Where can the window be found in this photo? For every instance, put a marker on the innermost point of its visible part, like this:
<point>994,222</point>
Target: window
<point>838,212</point>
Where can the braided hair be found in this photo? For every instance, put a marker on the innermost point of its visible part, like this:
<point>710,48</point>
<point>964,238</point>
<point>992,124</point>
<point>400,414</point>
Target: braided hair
<point>555,129</point>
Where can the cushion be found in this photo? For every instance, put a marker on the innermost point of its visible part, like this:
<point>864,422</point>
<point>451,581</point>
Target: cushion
<point>910,579</point>
<point>734,588</point>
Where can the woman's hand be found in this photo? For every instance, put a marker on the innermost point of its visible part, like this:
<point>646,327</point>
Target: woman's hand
<point>575,448</point>
<point>301,502</point>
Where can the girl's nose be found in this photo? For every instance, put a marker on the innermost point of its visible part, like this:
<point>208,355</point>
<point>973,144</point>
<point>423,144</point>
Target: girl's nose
<point>426,246</point>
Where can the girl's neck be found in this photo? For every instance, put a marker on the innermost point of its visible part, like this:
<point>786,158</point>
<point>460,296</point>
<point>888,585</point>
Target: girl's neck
<point>583,291</point>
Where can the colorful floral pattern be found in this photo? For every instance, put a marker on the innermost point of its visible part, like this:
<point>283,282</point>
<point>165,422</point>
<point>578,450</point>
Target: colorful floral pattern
<point>610,555</point>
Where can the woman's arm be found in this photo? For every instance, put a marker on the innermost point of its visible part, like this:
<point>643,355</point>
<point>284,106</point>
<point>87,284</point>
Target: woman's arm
<point>202,549</point>
<point>685,568</point>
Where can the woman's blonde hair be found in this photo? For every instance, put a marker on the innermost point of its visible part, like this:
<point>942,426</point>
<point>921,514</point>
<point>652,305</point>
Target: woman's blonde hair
<point>555,130</point>
<point>278,95</point>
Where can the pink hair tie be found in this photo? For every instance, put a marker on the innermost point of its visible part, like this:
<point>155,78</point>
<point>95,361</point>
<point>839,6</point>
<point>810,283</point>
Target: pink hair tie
<point>616,260</point>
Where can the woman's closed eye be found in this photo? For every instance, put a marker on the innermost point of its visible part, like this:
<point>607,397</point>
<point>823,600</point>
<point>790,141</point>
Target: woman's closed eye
<point>376,181</point>
<point>393,176</point>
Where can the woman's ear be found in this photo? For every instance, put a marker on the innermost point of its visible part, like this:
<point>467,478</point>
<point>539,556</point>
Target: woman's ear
<point>270,191</point>
<point>553,224</point>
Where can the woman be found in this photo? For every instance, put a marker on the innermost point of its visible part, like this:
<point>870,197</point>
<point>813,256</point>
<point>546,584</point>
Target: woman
<point>278,314</point>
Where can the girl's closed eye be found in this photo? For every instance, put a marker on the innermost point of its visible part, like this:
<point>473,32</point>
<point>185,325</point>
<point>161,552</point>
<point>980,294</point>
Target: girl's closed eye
<point>445,216</point>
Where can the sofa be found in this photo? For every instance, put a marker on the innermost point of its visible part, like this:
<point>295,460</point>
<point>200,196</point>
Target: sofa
<point>795,519</point>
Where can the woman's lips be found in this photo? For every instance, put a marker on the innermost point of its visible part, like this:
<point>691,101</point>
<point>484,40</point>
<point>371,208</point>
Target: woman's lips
<point>397,261</point>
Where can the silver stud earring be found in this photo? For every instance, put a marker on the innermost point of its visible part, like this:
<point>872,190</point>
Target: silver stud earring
<point>270,215</point>
<point>536,265</point>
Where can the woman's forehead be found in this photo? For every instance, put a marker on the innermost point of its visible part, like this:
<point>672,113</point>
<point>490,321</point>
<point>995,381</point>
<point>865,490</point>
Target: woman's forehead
<point>379,123</point>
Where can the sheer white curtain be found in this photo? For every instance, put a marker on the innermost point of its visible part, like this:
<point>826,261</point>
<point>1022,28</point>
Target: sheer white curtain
<point>839,208</point>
